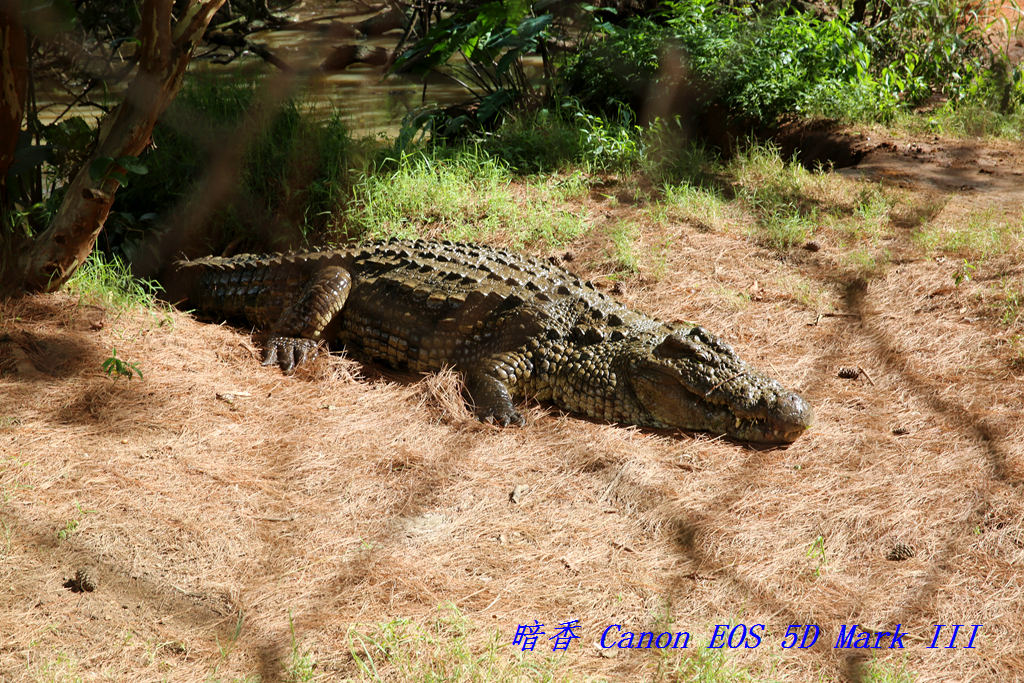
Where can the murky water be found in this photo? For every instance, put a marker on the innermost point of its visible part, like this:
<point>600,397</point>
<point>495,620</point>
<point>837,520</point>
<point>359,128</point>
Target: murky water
<point>371,103</point>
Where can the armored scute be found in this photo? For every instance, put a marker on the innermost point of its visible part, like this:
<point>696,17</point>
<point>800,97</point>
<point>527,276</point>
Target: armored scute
<point>516,327</point>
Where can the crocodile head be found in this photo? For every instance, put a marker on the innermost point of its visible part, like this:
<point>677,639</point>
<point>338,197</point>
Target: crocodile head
<point>690,379</point>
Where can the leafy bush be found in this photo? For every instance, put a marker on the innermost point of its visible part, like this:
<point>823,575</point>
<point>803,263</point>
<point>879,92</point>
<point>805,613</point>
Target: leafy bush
<point>293,173</point>
<point>490,39</point>
<point>618,70</point>
<point>760,63</point>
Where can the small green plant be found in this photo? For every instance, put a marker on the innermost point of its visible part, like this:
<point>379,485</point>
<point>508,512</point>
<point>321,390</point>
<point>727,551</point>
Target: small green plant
<point>70,527</point>
<point>878,671</point>
<point>117,368</point>
<point>9,422</point>
<point>1008,303</point>
<point>301,666</point>
<point>963,273</point>
<point>816,551</point>
<point>226,649</point>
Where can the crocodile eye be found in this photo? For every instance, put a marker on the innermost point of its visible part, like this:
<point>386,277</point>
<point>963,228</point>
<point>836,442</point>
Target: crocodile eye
<point>674,347</point>
<point>679,348</point>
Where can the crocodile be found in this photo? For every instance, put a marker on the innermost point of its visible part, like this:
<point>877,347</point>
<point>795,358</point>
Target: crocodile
<point>515,327</point>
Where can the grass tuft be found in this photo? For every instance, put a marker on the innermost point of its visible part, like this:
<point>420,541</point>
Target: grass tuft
<point>108,282</point>
<point>983,235</point>
<point>462,194</point>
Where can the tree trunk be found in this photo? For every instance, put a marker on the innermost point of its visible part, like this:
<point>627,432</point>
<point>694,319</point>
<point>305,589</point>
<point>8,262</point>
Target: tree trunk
<point>13,83</point>
<point>164,53</point>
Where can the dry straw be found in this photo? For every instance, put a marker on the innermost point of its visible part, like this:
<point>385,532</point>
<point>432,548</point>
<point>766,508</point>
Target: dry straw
<point>235,520</point>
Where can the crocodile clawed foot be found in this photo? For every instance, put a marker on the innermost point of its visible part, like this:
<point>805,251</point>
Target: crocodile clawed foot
<point>506,419</point>
<point>289,352</point>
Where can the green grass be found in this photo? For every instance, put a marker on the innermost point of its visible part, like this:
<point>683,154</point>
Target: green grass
<point>879,671</point>
<point>705,208</point>
<point>968,120</point>
<point>1009,305</point>
<point>865,263</point>
<point>566,136</point>
<point>1005,301</point>
<point>62,668</point>
<point>783,228</point>
<point>870,216</point>
<point>301,664</point>
<point>983,235</point>
<point>777,193</point>
<point>450,648</point>
<point>624,250</point>
<point>441,650</point>
<point>461,194</point>
<point>109,283</point>
<point>705,666</point>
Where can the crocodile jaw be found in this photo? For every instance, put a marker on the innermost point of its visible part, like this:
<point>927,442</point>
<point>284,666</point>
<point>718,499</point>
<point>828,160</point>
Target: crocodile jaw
<point>675,406</point>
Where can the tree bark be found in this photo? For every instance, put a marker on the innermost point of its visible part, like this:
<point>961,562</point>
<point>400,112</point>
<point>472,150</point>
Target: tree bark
<point>164,53</point>
<point>13,82</point>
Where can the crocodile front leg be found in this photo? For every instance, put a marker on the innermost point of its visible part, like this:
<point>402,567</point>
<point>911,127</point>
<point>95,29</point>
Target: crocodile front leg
<point>295,336</point>
<point>491,399</point>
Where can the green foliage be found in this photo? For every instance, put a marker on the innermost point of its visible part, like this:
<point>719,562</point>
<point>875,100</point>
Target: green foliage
<point>71,141</point>
<point>116,368</point>
<point>617,71</point>
<point>936,45</point>
<point>70,528</point>
<point>292,177</point>
<point>761,66</point>
<point>118,169</point>
<point>565,137</point>
<point>761,62</point>
<point>671,158</point>
<point>756,65</point>
<point>963,273</point>
<point>490,41</point>
<point>541,143</point>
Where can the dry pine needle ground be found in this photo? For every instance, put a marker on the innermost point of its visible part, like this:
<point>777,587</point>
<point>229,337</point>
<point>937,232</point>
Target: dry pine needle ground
<point>233,519</point>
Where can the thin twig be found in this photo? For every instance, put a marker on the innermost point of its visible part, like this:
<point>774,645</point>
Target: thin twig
<point>727,379</point>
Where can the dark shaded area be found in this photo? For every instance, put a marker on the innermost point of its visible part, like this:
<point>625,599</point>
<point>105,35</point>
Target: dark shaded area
<point>817,146</point>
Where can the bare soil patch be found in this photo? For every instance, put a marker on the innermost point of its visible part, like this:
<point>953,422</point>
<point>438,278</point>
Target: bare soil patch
<point>230,517</point>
